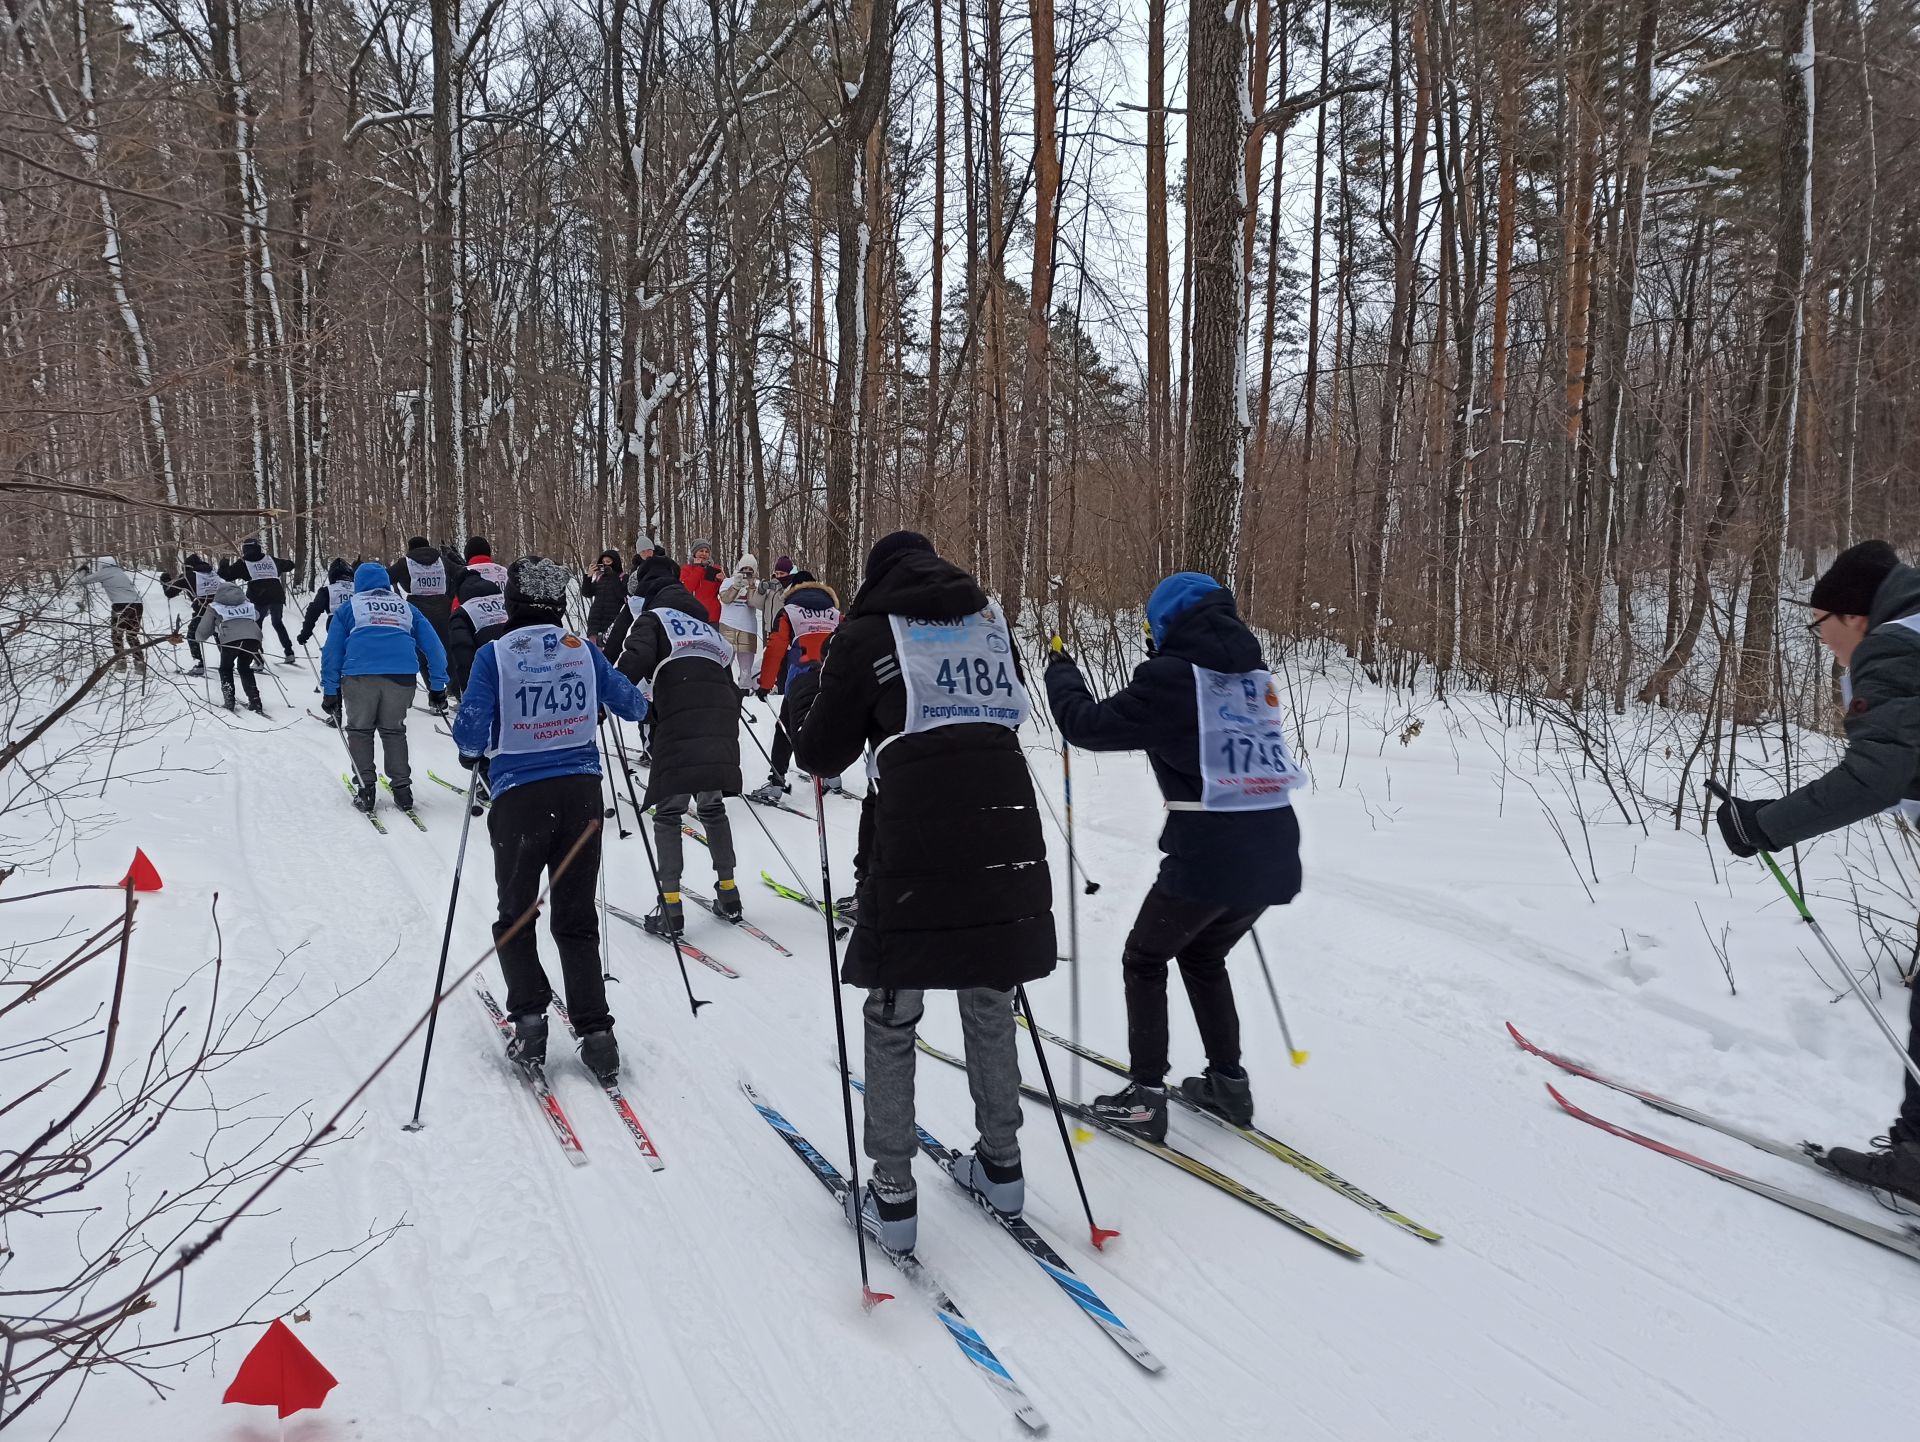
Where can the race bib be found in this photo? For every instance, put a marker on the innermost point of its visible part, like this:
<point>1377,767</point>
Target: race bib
<point>427,580</point>
<point>264,569</point>
<point>242,612</point>
<point>635,605</point>
<point>690,637</point>
<point>1244,761</point>
<point>382,608</point>
<point>205,583</point>
<point>485,611</point>
<point>549,695</point>
<point>812,623</point>
<point>959,672</point>
<point>492,570</point>
<point>338,594</point>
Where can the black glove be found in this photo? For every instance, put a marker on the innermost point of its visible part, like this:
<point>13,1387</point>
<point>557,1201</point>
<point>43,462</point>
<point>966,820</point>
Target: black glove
<point>437,701</point>
<point>303,638</point>
<point>475,763</point>
<point>330,705</point>
<point>1060,658</point>
<point>763,691</point>
<point>1740,826</point>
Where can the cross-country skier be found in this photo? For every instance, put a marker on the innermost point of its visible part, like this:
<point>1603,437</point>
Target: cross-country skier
<point>233,622</point>
<point>616,637</point>
<point>127,612</point>
<point>954,893</point>
<point>377,645</point>
<point>480,616</point>
<point>1866,610</point>
<point>479,557</point>
<point>791,666</point>
<point>739,599</point>
<point>328,600</point>
<point>695,744</point>
<point>702,578</point>
<point>528,716</point>
<point>262,575</point>
<point>428,577</point>
<point>197,582</point>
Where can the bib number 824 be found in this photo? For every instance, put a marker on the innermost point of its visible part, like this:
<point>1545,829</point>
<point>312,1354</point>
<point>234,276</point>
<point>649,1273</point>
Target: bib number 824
<point>974,676</point>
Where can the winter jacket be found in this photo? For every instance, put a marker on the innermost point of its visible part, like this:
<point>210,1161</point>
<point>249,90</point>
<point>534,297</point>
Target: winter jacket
<point>783,660</point>
<point>197,582</point>
<point>658,564</point>
<point>1239,859</point>
<point>696,707</point>
<point>263,590</point>
<point>322,603</point>
<point>480,616</point>
<point>354,649</point>
<point>476,727</point>
<point>113,582</point>
<point>229,617</point>
<point>437,608</point>
<point>952,881</point>
<point>739,604</point>
<point>1881,766</point>
<point>703,579</point>
<point>606,595</point>
<point>773,596</point>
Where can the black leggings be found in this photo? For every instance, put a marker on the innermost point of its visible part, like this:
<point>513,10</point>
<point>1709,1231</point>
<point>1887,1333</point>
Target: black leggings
<point>1199,934</point>
<point>533,826</point>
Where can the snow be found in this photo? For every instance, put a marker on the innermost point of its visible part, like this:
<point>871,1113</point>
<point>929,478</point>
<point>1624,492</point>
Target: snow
<point>1586,1289</point>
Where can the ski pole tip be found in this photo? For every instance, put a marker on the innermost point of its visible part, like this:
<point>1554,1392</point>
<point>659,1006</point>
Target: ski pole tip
<point>869,1299</point>
<point>1299,1058</point>
<point>1101,1236</point>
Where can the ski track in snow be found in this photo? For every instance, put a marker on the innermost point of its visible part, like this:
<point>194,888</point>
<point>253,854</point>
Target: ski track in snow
<point>1586,1289</point>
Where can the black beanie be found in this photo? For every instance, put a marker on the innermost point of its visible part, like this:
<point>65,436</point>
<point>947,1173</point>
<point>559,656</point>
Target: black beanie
<point>417,543</point>
<point>1848,586</point>
<point>476,546</point>
<point>651,576</point>
<point>888,550</point>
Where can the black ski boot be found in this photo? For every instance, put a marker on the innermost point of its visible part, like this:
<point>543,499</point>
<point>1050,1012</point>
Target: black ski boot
<point>255,707</point>
<point>1227,1097</point>
<point>1891,1166</point>
<point>726,901</point>
<point>403,796</point>
<point>363,798</point>
<point>528,1044</point>
<point>601,1053</point>
<point>667,919</point>
<point>199,668</point>
<point>227,697</point>
<point>1135,1108</point>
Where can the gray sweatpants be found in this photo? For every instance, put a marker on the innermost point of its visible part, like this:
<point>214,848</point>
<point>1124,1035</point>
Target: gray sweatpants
<point>667,818</point>
<point>993,1075</point>
<point>378,703</point>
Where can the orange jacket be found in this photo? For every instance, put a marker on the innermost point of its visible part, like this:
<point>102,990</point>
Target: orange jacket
<point>807,650</point>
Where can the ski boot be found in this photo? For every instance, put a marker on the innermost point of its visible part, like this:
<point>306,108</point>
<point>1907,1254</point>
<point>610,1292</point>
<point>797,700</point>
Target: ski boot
<point>667,919</point>
<point>726,901</point>
<point>1001,1185</point>
<point>198,668</point>
<point>363,795</point>
<point>772,793</point>
<point>528,1043</point>
<point>227,698</point>
<point>834,787</point>
<point>1135,1108</point>
<point>601,1054</point>
<point>255,707</point>
<point>846,910</point>
<point>1228,1097</point>
<point>889,1213</point>
<point>289,660</point>
<point>1891,1166</point>
<point>403,795</point>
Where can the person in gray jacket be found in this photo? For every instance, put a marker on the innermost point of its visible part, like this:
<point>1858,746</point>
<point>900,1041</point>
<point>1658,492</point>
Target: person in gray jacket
<point>126,611</point>
<point>1866,610</point>
<point>234,621</point>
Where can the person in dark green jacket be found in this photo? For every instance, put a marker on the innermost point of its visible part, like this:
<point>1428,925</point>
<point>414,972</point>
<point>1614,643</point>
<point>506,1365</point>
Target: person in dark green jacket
<point>1866,610</point>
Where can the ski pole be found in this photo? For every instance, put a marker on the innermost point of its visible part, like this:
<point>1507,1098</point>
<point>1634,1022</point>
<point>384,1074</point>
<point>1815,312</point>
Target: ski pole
<point>446,940</point>
<point>613,794</point>
<point>659,891</point>
<point>1294,1054</point>
<point>1101,1235</point>
<point>1073,915</point>
<point>1714,788</point>
<point>1073,857</point>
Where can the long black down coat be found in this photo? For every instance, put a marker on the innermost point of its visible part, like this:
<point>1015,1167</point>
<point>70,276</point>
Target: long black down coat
<point>952,875</point>
<point>696,706</point>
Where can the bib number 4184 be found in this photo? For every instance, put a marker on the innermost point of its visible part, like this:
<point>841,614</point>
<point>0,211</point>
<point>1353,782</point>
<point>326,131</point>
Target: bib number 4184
<point>974,676</point>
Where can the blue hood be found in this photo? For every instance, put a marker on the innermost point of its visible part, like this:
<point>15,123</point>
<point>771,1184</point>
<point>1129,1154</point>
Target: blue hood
<point>1173,597</point>
<point>372,576</point>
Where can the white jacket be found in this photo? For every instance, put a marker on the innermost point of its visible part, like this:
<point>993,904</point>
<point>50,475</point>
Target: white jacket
<point>105,573</point>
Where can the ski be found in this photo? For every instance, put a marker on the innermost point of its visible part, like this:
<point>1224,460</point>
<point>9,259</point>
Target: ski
<point>639,923</point>
<point>1905,1242</point>
<point>353,793</point>
<point>1191,1165</point>
<point>687,830</point>
<point>408,811</point>
<point>968,1340</point>
<point>622,1108</point>
<point>1807,1154</point>
<point>841,920</point>
<point>536,1080</point>
<point>1267,1143</point>
<point>429,711</point>
<point>1037,1247</point>
<point>322,719</point>
<point>784,806</point>
<point>481,796</point>
<point>706,903</point>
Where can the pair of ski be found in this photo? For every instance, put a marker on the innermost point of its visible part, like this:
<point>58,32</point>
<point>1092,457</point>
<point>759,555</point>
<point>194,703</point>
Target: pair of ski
<point>687,948</point>
<point>550,1109</point>
<point>1905,1239</point>
<point>482,798</point>
<point>840,919</point>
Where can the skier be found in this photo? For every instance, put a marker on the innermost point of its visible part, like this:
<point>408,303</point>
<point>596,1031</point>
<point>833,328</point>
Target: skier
<point>695,743</point>
<point>376,646</point>
<point>606,589</point>
<point>262,575</point>
<point>795,645</point>
<point>127,613</point>
<point>197,581</point>
<point>702,578</point>
<point>328,599</point>
<point>428,577</point>
<point>233,621</point>
<point>1204,709</point>
<point>1866,611</point>
<point>740,618</point>
<point>479,557</point>
<point>480,616</point>
<point>527,719</point>
<point>954,893</point>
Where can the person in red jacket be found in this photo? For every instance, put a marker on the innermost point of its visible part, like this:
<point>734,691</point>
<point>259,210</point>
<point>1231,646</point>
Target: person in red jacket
<point>791,665</point>
<point>703,578</point>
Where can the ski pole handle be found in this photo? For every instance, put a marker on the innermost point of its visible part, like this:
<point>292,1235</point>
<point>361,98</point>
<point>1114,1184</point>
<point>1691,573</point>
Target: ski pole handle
<point>1715,789</point>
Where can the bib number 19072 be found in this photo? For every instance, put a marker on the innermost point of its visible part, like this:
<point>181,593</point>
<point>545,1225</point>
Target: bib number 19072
<point>974,676</point>
<point>551,698</point>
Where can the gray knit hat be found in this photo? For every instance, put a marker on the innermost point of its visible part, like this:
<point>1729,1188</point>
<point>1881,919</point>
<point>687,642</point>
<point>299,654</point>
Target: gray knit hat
<point>534,581</point>
<point>645,543</point>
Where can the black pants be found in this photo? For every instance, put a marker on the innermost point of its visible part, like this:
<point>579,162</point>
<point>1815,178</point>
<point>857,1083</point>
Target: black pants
<point>1199,934</point>
<point>275,614</point>
<point>193,624</point>
<point>246,656</point>
<point>1907,1129</point>
<point>532,828</point>
<point>129,617</point>
<point>794,701</point>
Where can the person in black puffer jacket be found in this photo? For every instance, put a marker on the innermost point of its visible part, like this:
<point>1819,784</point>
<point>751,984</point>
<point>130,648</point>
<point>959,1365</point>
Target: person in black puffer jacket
<point>606,591</point>
<point>429,577</point>
<point>480,617</point>
<point>1222,867</point>
<point>952,886</point>
<point>616,635</point>
<point>262,575</point>
<point>330,597</point>
<point>695,741</point>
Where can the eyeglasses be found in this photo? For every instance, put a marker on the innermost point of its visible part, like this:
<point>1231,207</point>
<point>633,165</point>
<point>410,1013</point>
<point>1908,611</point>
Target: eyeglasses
<point>1813,626</point>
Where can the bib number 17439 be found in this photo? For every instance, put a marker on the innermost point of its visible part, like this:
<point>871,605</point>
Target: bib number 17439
<point>551,698</point>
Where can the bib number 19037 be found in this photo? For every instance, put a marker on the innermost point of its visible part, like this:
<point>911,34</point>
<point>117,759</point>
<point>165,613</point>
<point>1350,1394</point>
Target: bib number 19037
<point>974,676</point>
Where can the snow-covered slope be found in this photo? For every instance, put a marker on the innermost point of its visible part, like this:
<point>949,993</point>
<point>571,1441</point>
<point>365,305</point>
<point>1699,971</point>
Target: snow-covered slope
<point>1586,1289</point>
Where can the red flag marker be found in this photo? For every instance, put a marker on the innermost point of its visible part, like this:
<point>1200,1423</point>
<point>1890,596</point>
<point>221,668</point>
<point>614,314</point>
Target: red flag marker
<point>280,1372</point>
<point>142,875</point>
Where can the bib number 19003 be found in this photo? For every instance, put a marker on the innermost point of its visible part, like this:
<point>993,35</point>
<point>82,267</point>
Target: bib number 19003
<point>551,698</point>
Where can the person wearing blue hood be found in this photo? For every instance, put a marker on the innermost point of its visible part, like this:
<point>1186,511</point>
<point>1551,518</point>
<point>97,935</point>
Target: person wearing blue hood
<point>1204,709</point>
<point>375,646</point>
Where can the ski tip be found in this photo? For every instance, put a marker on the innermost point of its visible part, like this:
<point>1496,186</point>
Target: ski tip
<point>1101,1236</point>
<point>1300,1058</point>
<point>1518,1040</point>
<point>1565,1105</point>
<point>869,1299</point>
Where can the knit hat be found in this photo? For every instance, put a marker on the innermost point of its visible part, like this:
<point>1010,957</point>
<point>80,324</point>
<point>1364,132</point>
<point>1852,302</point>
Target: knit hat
<point>782,564</point>
<point>651,575</point>
<point>748,562</point>
<point>888,550</point>
<point>706,546</point>
<point>476,546</point>
<point>645,543</point>
<point>417,543</point>
<point>1848,586</point>
<point>1174,597</point>
<point>801,578</point>
<point>537,584</point>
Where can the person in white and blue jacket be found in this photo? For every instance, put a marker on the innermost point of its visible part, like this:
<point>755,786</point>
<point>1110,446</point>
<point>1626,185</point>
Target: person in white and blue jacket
<point>527,720</point>
<point>375,644</point>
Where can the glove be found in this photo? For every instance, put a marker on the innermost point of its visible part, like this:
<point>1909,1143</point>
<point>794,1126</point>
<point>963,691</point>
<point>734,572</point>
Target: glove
<point>475,763</point>
<point>437,702</point>
<point>763,692</point>
<point>330,705</point>
<point>303,638</point>
<point>1740,826</point>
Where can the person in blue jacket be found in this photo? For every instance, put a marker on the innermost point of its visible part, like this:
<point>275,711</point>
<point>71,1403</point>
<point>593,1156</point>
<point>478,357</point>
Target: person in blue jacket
<point>527,720</point>
<point>1204,709</point>
<point>375,645</point>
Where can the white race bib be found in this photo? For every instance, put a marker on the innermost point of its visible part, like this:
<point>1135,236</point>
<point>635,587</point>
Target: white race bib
<point>338,594</point>
<point>242,612</point>
<point>635,605</point>
<point>382,608</point>
<point>427,580</point>
<point>549,695</point>
<point>959,672</point>
<point>485,611</point>
<point>492,570</point>
<point>690,637</point>
<point>1244,761</point>
<point>264,569</point>
<point>811,623</point>
<point>205,583</point>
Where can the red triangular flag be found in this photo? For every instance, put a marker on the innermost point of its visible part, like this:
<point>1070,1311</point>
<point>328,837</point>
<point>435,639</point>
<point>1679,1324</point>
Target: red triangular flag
<point>280,1372</point>
<point>143,874</point>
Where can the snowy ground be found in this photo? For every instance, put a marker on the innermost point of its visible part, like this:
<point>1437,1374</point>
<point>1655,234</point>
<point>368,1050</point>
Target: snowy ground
<point>1586,1289</point>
